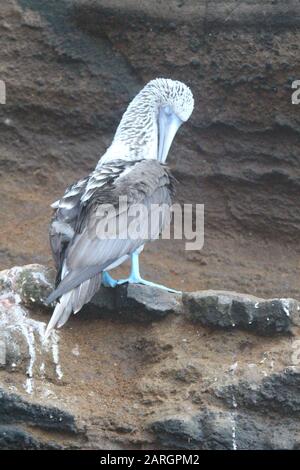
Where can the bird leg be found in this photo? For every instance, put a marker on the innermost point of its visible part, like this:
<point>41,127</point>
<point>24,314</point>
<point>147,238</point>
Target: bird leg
<point>107,280</point>
<point>134,277</point>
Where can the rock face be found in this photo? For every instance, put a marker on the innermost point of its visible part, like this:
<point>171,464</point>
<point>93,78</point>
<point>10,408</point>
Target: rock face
<point>276,393</point>
<point>239,153</point>
<point>215,430</point>
<point>142,368</point>
<point>232,310</point>
<point>135,303</point>
<point>212,369</point>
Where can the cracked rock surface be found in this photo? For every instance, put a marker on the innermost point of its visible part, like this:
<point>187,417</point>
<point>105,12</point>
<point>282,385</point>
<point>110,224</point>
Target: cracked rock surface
<point>136,367</point>
<point>71,67</point>
<point>130,371</point>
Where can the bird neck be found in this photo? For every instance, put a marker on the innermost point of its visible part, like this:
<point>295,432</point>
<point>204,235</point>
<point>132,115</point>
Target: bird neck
<point>137,134</point>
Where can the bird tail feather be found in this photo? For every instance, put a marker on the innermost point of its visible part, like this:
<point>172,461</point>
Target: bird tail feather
<point>72,301</point>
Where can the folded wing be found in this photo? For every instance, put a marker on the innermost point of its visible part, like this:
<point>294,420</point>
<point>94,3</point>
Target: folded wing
<point>146,189</point>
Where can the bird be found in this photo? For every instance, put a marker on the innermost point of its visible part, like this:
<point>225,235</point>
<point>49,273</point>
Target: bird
<point>134,169</point>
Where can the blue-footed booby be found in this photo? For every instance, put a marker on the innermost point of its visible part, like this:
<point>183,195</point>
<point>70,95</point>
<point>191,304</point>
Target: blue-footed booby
<point>133,167</point>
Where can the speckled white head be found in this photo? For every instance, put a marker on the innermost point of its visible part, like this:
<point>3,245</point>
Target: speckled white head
<point>151,121</point>
<point>174,94</point>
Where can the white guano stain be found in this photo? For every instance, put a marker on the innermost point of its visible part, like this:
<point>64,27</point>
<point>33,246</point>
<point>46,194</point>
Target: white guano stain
<point>232,371</point>
<point>233,423</point>
<point>14,317</point>
<point>55,354</point>
<point>286,306</point>
<point>75,350</point>
<point>27,331</point>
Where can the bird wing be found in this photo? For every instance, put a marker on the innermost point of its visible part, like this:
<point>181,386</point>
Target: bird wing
<point>62,225</point>
<point>67,209</point>
<point>148,188</point>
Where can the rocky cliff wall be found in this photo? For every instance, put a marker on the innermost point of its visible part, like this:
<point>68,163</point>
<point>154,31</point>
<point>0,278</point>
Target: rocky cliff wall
<point>213,369</point>
<point>71,67</point>
<point>145,369</point>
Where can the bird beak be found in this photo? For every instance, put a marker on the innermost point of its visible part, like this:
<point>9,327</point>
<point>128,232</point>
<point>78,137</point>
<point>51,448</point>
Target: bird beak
<point>169,124</point>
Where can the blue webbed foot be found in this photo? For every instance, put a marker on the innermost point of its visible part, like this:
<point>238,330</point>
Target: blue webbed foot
<point>134,278</point>
<point>108,281</point>
<point>139,280</point>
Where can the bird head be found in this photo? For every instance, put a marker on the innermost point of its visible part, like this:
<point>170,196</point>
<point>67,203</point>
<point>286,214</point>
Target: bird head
<point>175,104</point>
<point>149,124</point>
